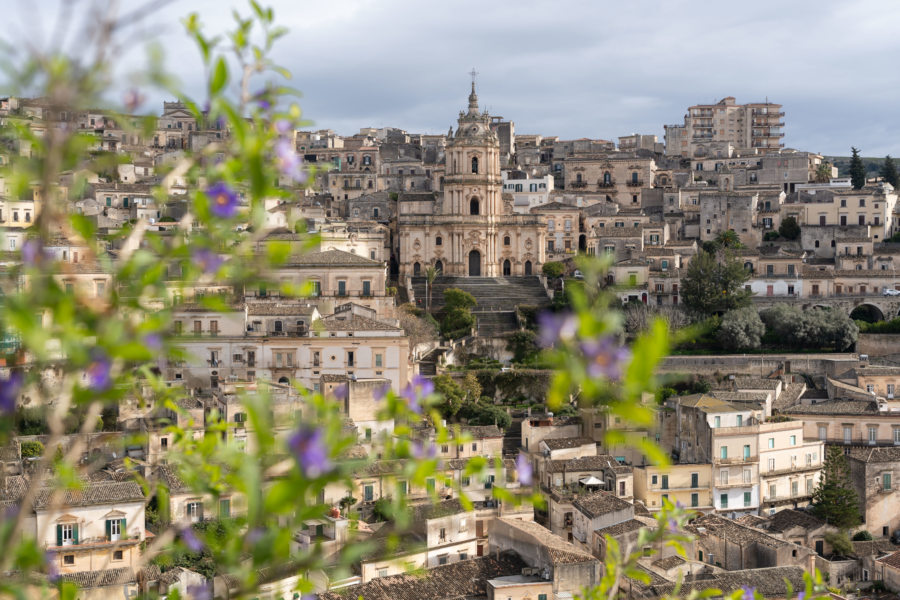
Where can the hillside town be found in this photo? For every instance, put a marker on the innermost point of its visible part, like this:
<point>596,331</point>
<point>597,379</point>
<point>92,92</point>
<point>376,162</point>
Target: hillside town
<point>428,260</point>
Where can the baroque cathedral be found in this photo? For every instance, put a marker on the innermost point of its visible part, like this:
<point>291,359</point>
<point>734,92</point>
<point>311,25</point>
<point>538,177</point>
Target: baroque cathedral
<point>471,230</point>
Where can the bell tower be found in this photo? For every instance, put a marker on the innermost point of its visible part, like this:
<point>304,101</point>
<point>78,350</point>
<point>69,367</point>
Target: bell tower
<point>472,183</point>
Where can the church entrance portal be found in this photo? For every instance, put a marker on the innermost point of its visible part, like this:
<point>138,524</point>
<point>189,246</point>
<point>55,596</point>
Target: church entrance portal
<point>474,263</point>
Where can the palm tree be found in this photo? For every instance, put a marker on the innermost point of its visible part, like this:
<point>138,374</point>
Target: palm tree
<point>431,274</point>
<point>823,173</point>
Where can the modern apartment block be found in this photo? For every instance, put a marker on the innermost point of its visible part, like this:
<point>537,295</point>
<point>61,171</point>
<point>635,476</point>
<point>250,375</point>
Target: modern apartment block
<point>710,129</point>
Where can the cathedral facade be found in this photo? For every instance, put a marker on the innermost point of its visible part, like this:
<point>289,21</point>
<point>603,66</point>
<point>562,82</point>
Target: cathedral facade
<point>471,230</point>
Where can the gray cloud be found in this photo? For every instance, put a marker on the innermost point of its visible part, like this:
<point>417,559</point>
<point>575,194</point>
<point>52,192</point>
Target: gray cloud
<point>579,68</point>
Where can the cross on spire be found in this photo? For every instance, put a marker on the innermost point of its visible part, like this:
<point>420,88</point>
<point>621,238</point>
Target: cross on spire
<point>474,74</point>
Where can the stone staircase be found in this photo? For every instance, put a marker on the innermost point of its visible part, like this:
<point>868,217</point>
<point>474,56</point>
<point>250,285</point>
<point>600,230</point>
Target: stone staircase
<point>492,293</point>
<point>495,324</point>
<point>512,437</point>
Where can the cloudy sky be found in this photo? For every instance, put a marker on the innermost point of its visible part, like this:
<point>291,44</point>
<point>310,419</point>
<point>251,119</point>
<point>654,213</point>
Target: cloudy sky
<point>590,68</point>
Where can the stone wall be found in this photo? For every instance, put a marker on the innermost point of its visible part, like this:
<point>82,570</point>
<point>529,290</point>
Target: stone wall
<point>878,344</point>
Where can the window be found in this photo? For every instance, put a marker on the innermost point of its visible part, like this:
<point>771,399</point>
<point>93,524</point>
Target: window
<point>795,488</point>
<point>723,477</point>
<point>379,359</point>
<point>225,508</point>
<point>771,464</point>
<point>66,535</point>
<point>723,500</point>
<point>723,452</point>
<point>350,358</point>
<point>809,486</point>
<point>506,240</point>
<point>665,482</point>
<point>746,452</point>
<point>793,440</point>
<point>873,432</point>
<point>114,529</point>
<point>475,164</point>
<point>747,475</point>
<point>747,500</point>
<point>195,511</point>
<point>342,288</point>
<point>382,572</point>
<point>771,442</point>
<point>214,327</point>
<point>438,241</point>
<point>69,559</point>
<point>718,422</point>
<point>443,535</point>
<point>773,491</point>
<point>886,481</point>
<point>367,288</point>
<point>695,480</point>
<point>695,500</point>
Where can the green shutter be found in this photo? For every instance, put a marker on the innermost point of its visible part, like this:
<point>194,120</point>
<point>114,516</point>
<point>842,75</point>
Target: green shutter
<point>108,529</point>
<point>75,534</point>
<point>59,535</point>
<point>122,529</point>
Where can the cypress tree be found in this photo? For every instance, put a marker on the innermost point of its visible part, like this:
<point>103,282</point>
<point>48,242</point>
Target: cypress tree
<point>834,499</point>
<point>889,171</point>
<point>857,170</point>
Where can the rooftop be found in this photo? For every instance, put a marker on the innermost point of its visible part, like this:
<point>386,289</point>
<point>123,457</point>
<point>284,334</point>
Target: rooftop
<point>769,582</point>
<point>835,407</point>
<point>560,551</point>
<point>787,519</point>
<point>561,443</point>
<point>464,579</point>
<point>600,503</point>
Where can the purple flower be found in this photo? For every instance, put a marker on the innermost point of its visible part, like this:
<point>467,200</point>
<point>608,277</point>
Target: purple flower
<point>749,592</point>
<point>679,505</point>
<point>208,261</point>
<point>420,451</point>
<point>133,99</point>
<point>801,595</point>
<point>263,98</point>
<point>524,469</point>
<point>416,391</point>
<point>191,540</point>
<point>605,357</point>
<point>99,371</point>
<point>672,526</point>
<point>255,535</point>
<point>9,392</point>
<point>289,163</point>
<point>342,391</point>
<point>224,200</point>
<point>381,392</point>
<point>556,327</point>
<point>308,446</point>
<point>283,127</point>
<point>153,342</point>
<point>52,570</point>
<point>199,592</point>
<point>33,252</point>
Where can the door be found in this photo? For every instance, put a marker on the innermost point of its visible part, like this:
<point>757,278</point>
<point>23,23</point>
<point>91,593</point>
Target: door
<point>507,268</point>
<point>439,267</point>
<point>474,263</point>
<point>820,547</point>
<point>770,290</point>
<point>528,267</point>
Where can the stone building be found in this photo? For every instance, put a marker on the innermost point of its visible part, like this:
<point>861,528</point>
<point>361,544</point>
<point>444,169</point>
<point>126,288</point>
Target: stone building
<point>872,473</point>
<point>472,229</point>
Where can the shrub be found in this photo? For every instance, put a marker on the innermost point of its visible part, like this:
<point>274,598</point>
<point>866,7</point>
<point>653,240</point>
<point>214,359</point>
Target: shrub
<point>553,270</point>
<point>523,345</point>
<point>789,229</point>
<point>770,236</point>
<point>862,536</point>
<point>457,298</point>
<point>741,329</point>
<point>839,542</point>
<point>457,323</point>
<point>32,449</point>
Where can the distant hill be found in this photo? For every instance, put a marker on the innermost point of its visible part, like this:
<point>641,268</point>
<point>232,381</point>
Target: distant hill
<point>872,164</point>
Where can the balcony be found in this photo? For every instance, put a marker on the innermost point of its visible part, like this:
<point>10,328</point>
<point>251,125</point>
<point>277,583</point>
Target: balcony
<point>741,460</point>
<point>635,183</point>
<point>577,185</point>
<point>792,469</point>
<point>776,499</point>
<point>604,185</point>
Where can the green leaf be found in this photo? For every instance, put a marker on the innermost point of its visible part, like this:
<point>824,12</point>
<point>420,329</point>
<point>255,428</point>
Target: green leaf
<point>219,78</point>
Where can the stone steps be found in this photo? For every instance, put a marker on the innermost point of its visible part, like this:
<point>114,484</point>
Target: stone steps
<point>491,293</point>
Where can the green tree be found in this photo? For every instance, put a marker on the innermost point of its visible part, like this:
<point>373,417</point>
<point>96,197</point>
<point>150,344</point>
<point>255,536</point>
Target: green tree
<point>470,387</point>
<point>32,449</point>
<point>715,283</point>
<point>552,270</point>
<point>857,170</point>
<point>823,172</point>
<point>523,345</point>
<point>889,171</point>
<point>741,329</point>
<point>789,228</point>
<point>457,298</point>
<point>453,395</point>
<point>862,536</point>
<point>834,499</point>
<point>457,323</point>
<point>840,543</point>
<point>728,239</point>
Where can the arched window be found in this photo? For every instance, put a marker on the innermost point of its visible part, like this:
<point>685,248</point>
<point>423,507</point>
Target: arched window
<point>607,178</point>
<point>748,266</point>
<point>417,269</point>
<point>506,240</point>
<point>578,177</point>
<point>475,164</point>
<point>634,177</point>
<point>438,241</point>
<point>474,206</point>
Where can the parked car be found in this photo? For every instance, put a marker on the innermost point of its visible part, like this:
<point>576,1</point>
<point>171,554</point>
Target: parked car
<point>890,292</point>
<point>579,275</point>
